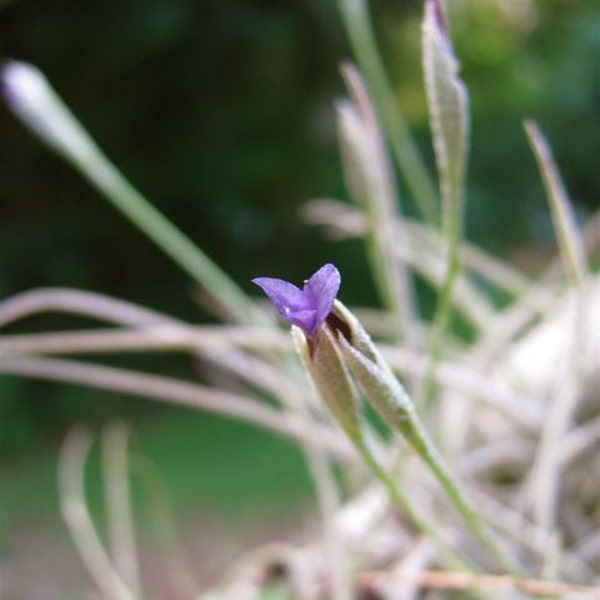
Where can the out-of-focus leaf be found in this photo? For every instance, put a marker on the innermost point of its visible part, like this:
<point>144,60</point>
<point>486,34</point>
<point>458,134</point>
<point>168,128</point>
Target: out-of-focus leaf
<point>569,238</point>
<point>448,105</point>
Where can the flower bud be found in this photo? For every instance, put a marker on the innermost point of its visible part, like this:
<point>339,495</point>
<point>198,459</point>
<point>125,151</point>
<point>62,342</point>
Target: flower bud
<point>341,357</point>
<point>324,363</point>
<point>373,375</point>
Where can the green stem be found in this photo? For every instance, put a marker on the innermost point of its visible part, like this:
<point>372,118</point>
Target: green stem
<point>360,31</point>
<point>99,171</point>
<point>420,441</point>
<point>35,102</point>
<point>448,553</point>
<point>443,311</point>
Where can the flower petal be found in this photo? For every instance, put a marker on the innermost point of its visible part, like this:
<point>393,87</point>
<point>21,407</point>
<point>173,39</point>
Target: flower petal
<point>306,320</point>
<point>286,297</point>
<point>322,288</point>
<point>308,307</point>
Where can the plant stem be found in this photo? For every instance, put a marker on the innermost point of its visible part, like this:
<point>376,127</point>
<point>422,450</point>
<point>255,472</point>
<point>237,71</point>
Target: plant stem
<point>420,441</point>
<point>33,100</point>
<point>443,312</point>
<point>99,171</point>
<point>448,553</point>
<point>448,102</point>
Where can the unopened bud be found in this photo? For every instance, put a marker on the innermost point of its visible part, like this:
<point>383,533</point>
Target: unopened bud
<point>324,363</point>
<point>373,375</point>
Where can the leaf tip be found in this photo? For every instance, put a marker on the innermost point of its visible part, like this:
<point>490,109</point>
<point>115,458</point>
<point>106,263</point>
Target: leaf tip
<point>434,11</point>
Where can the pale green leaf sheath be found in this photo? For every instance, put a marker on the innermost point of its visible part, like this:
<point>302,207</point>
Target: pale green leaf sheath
<point>449,114</point>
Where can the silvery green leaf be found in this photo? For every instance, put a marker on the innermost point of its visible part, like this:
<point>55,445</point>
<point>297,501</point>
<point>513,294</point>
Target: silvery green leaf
<point>372,373</point>
<point>355,148</point>
<point>33,100</point>
<point>325,367</point>
<point>381,389</point>
<point>448,105</point>
<point>360,31</point>
<point>356,333</point>
<point>371,181</point>
<point>570,242</point>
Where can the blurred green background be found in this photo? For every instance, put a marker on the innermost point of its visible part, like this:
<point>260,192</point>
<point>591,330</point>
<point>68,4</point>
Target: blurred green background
<point>221,112</point>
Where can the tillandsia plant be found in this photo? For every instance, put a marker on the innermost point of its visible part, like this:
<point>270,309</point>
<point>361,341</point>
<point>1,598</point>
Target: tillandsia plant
<point>340,356</point>
<point>515,411</point>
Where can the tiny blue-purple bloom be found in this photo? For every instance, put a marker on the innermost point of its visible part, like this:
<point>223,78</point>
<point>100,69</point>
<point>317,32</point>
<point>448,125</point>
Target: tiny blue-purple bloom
<point>307,307</point>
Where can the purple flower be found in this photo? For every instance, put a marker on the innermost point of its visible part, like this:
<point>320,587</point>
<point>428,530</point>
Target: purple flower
<point>307,307</point>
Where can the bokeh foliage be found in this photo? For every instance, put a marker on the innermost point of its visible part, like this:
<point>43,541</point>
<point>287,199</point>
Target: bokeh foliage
<point>221,112</point>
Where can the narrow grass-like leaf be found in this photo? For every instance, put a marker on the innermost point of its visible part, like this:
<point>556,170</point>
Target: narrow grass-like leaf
<point>120,517</point>
<point>388,397</point>
<point>449,115</point>
<point>571,244</point>
<point>371,181</point>
<point>175,392</point>
<point>545,476</point>
<point>448,107</point>
<point>326,361</point>
<point>31,97</point>
<point>342,221</point>
<point>418,180</point>
<point>75,511</point>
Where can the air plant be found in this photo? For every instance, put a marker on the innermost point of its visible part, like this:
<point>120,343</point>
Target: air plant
<point>434,494</point>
